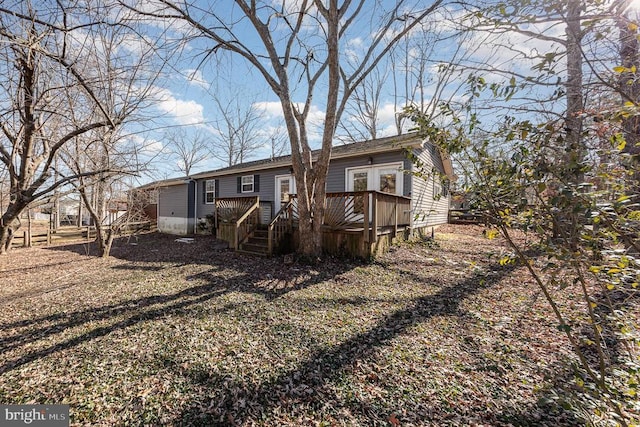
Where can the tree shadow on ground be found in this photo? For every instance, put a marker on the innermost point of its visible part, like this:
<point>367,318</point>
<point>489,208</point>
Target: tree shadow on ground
<point>309,382</point>
<point>247,277</point>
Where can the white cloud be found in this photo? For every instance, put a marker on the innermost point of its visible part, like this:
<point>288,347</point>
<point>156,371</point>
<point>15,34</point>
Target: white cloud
<point>145,145</point>
<point>355,42</point>
<point>187,112</point>
<point>195,77</point>
<point>273,110</point>
<point>150,7</point>
<point>387,114</point>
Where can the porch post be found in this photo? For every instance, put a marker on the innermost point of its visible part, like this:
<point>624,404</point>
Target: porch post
<point>374,219</point>
<point>365,220</point>
<point>235,236</point>
<point>395,214</point>
<point>215,218</point>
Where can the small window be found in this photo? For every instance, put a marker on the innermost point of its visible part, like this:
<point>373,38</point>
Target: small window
<point>209,191</point>
<point>445,187</point>
<point>247,184</point>
<point>440,187</point>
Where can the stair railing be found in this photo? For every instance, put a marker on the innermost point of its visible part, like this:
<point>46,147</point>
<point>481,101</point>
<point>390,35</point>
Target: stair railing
<point>280,225</point>
<point>247,223</point>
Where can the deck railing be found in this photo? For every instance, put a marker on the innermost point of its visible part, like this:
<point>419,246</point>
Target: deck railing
<point>280,225</point>
<point>345,210</point>
<point>236,218</point>
<point>230,209</point>
<point>391,210</point>
<point>370,211</point>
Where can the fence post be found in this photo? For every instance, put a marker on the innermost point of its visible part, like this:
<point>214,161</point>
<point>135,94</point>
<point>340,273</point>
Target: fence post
<point>24,240</point>
<point>48,237</point>
<point>88,234</point>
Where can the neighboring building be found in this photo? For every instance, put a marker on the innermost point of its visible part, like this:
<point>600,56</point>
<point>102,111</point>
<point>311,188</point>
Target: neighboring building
<point>380,167</point>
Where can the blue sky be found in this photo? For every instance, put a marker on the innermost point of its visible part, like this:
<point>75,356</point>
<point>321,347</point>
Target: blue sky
<point>186,96</point>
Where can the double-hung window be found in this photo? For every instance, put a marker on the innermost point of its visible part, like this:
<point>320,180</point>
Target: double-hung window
<point>209,191</point>
<point>247,184</point>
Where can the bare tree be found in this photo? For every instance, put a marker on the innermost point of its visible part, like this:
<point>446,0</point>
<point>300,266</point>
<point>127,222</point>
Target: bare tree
<point>362,120</point>
<point>296,48</point>
<point>59,84</point>
<point>188,149</point>
<point>238,131</point>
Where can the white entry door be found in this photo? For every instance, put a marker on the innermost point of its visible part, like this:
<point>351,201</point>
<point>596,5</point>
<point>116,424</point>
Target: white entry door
<point>285,187</point>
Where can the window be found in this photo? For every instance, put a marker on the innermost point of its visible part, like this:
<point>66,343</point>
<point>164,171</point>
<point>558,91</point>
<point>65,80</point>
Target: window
<point>387,178</point>
<point>437,189</point>
<point>360,183</point>
<point>247,184</point>
<point>388,181</point>
<point>209,191</point>
<point>440,187</point>
<point>285,190</point>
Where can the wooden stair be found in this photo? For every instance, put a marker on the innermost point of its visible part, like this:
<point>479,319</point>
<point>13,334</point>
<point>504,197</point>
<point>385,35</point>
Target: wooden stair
<point>257,243</point>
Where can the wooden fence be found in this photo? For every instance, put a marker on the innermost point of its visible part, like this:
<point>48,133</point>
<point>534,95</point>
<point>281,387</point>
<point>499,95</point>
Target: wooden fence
<point>76,234</point>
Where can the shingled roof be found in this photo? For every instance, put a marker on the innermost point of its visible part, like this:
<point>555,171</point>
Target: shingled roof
<point>360,148</point>
<point>373,146</point>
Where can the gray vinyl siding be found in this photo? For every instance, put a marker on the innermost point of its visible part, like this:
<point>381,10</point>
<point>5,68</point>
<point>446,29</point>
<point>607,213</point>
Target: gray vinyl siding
<point>202,209</point>
<point>336,177</point>
<point>228,187</point>
<point>426,210</point>
<point>172,201</point>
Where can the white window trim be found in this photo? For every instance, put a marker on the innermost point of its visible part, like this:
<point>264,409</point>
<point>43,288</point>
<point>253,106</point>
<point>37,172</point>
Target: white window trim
<point>242,184</point>
<point>373,176</point>
<point>207,192</point>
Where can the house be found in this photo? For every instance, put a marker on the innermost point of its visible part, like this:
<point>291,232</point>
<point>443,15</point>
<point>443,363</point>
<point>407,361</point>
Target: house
<point>374,188</point>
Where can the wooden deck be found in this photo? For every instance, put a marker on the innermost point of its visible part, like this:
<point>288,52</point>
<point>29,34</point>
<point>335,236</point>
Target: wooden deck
<point>359,224</point>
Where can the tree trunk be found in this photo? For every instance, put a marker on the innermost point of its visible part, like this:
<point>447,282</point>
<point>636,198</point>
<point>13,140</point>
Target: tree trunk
<point>104,239</point>
<point>305,227</point>
<point>29,229</point>
<point>107,244</point>
<point>8,225</point>
<point>6,236</point>
<point>575,103</point>
<point>630,89</point>
<point>315,191</point>
<point>571,174</point>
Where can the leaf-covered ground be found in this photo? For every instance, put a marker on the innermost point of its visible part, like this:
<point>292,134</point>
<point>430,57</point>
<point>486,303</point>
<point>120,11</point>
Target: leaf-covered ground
<point>171,333</point>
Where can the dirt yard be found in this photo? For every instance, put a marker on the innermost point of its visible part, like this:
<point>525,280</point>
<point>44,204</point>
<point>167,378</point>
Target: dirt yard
<point>170,333</point>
